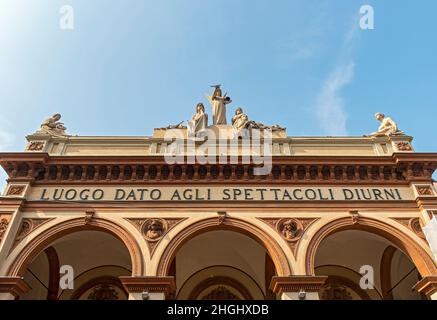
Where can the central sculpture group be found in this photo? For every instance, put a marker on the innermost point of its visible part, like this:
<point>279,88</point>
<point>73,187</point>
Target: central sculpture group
<point>218,101</point>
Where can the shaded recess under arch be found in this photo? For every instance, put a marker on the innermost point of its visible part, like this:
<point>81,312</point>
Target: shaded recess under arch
<point>231,224</point>
<point>47,237</point>
<point>421,259</point>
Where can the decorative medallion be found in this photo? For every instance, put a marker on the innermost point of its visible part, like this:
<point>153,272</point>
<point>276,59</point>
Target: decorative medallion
<point>15,190</point>
<point>28,225</point>
<point>404,146</point>
<point>413,224</point>
<point>416,226</point>
<point>35,146</point>
<point>291,229</point>
<point>424,190</point>
<point>154,229</point>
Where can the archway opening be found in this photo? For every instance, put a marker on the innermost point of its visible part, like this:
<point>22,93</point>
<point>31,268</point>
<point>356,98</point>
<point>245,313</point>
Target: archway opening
<point>361,265</point>
<point>83,265</point>
<point>222,265</point>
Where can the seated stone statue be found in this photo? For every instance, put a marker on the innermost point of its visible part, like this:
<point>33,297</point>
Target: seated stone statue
<point>198,122</point>
<point>174,126</point>
<point>262,126</point>
<point>240,120</point>
<point>387,127</point>
<point>52,126</point>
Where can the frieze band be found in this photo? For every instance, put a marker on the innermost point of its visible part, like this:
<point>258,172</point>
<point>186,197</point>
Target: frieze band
<point>246,193</point>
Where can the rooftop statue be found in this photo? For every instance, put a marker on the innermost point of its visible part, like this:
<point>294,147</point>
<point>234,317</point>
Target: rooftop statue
<point>218,103</point>
<point>198,122</point>
<point>240,120</point>
<point>175,126</point>
<point>262,126</point>
<point>52,126</point>
<point>387,127</point>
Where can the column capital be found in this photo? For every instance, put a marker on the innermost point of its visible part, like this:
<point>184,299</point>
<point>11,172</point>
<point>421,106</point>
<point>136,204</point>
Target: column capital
<point>296,283</point>
<point>13,285</point>
<point>427,285</point>
<point>164,285</point>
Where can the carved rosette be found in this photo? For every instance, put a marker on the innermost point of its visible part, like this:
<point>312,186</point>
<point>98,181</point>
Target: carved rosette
<point>35,146</point>
<point>154,229</point>
<point>291,229</point>
<point>404,146</point>
<point>413,224</point>
<point>16,190</point>
<point>424,190</point>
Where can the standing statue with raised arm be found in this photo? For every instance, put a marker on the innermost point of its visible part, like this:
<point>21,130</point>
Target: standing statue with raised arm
<point>387,127</point>
<point>218,103</point>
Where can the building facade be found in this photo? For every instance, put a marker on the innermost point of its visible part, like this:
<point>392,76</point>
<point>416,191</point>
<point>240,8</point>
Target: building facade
<point>111,218</point>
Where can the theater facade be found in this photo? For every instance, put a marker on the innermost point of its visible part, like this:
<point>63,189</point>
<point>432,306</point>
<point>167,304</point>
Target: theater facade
<point>103,217</point>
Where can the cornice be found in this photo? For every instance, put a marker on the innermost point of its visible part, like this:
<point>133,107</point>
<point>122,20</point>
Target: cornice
<point>427,285</point>
<point>13,285</point>
<point>297,283</point>
<point>151,284</point>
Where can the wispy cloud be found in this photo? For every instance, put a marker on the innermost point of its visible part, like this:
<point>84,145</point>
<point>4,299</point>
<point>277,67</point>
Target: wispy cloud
<point>330,107</point>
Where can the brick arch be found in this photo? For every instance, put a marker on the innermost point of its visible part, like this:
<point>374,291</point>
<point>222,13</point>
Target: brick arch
<point>47,237</point>
<point>231,224</point>
<point>420,258</point>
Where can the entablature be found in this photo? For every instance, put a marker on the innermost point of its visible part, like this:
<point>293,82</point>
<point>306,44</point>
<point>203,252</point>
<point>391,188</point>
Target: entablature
<point>39,168</point>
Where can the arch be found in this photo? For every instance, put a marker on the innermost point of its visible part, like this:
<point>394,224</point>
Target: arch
<point>231,224</point>
<point>248,296</point>
<point>44,239</point>
<point>233,283</point>
<point>109,280</point>
<point>347,280</point>
<point>420,258</point>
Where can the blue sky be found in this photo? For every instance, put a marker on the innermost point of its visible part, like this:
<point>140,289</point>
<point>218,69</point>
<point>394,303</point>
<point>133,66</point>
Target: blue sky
<point>129,66</point>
